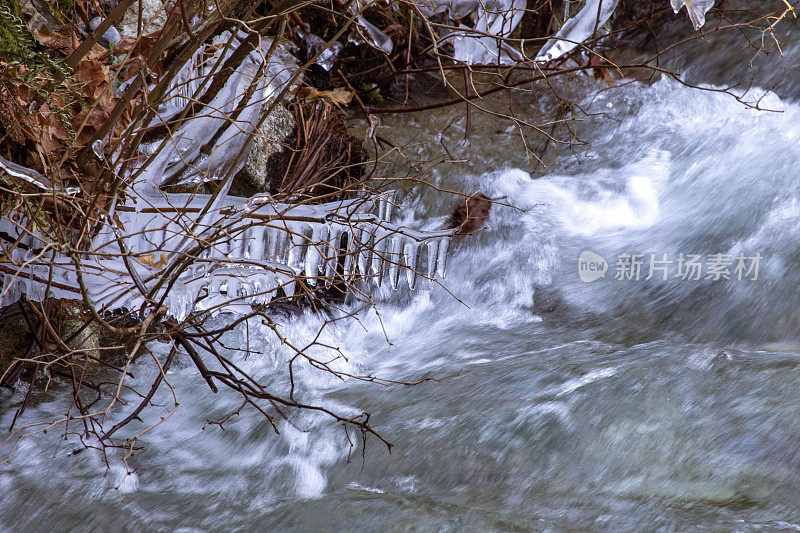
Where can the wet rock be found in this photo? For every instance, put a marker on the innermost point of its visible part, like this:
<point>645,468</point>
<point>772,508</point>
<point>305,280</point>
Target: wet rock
<point>470,216</point>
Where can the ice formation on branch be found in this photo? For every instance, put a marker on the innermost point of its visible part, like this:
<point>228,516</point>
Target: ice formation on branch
<point>577,29</point>
<point>213,252</point>
<point>31,176</point>
<point>696,9</point>
<point>208,146</point>
<point>484,44</point>
<point>246,252</point>
<point>595,13</point>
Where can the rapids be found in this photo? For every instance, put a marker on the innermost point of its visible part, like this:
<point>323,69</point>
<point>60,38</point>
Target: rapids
<point>616,404</point>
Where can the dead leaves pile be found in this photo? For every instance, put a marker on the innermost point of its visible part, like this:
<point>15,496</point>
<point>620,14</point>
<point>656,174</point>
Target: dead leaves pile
<point>51,115</point>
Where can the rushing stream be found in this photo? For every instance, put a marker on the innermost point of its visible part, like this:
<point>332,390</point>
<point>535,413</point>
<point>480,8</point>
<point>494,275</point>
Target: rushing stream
<point>616,404</point>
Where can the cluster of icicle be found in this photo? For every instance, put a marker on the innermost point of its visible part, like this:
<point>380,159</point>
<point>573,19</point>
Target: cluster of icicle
<point>250,250</point>
<point>494,20</point>
<point>183,157</point>
<point>595,13</point>
<point>481,44</point>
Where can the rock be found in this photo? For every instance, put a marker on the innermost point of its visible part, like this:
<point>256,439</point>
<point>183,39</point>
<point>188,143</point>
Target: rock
<point>69,318</point>
<point>111,36</point>
<point>470,215</point>
<point>154,16</point>
<point>273,133</point>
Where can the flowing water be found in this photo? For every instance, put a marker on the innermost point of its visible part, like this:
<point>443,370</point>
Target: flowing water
<point>615,404</point>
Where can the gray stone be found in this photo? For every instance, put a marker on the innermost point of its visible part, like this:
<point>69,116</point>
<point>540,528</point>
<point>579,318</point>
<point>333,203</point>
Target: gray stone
<point>70,318</point>
<point>277,126</point>
<point>154,16</point>
<point>111,36</point>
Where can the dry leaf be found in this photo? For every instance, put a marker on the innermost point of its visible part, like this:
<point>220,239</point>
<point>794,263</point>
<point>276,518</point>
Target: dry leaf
<point>63,40</point>
<point>119,221</point>
<point>338,96</point>
<point>146,259</point>
<point>149,260</point>
<point>94,75</point>
<point>141,46</point>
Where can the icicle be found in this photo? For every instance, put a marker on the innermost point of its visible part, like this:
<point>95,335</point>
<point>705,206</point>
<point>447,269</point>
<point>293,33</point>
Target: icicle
<point>410,254</point>
<point>274,240</point>
<point>295,252</point>
<point>256,242</point>
<point>577,29</point>
<point>379,257</point>
<point>332,251</point>
<point>396,259</point>
<point>696,9</point>
<point>246,287</point>
<point>441,260</point>
<point>381,205</point>
<point>263,287</point>
<point>363,253</point>
<point>239,244</point>
<point>476,46</point>
<point>350,260</point>
<point>433,257</point>
<point>315,251</point>
<point>375,37</point>
<point>389,201</point>
<point>232,287</point>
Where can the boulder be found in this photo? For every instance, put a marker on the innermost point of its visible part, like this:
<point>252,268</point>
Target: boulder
<point>69,320</point>
<point>272,134</point>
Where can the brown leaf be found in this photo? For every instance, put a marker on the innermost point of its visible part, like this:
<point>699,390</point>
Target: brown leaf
<point>148,259</point>
<point>63,40</point>
<point>51,122</point>
<point>143,46</point>
<point>338,96</point>
<point>94,75</point>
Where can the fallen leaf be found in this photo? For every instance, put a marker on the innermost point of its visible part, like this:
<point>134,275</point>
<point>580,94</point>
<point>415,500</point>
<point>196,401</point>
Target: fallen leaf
<point>63,40</point>
<point>146,259</point>
<point>94,75</point>
<point>137,46</point>
<point>338,96</point>
<point>149,260</point>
